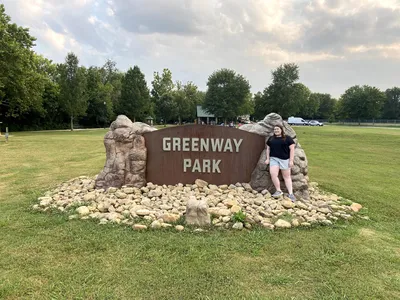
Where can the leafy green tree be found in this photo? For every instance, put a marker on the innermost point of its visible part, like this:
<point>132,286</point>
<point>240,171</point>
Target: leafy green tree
<point>168,108</point>
<point>310,107</point>
<point>364,102</point>
<point>53,116</point>
<point>100,106</point>
<point>112,82</point>
<point>21,86</point>
<point>284,95</point>
<point>326,105</point>
<point>302,95</point>
<point>247,108</point>
<point>73,88</point>
<point>195,97</point>
<point>186,97</point>
<point>135,97</point>
<point>259,106</point>
<point>391,108</point>
<point>285,75</point>
<point>181,102</point>
<point>46,114</point>
<point>109,70</point>
<point>226,94</point>
<point>161,85</point>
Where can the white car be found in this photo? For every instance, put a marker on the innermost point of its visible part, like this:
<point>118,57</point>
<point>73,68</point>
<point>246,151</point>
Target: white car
<point>297,121</point>
<point>315,123</point>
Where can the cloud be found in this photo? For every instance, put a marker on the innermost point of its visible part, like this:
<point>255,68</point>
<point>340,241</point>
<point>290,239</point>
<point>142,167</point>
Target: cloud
<point>336,25</point>
<point>110,12</point>
<point>386,51</point>
<point>337,43</point>
<point>158,16</point>
<point>57,40</point>
<point>273,54</point>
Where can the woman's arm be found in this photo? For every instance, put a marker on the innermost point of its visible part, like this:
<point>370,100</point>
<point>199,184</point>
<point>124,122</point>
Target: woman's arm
<point>291,157</point>
<point>267,160</point>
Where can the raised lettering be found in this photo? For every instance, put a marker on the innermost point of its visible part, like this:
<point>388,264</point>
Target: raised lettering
<point>166,144</point>
<point>228,146</point>
<point>216,144</point>
<point>204,145</point>
<point>187,163</point>
<point>196,166</point>
<point>176,144</point>
<point>206,166</point>
<point>195,144</point>
<point>237,144</point>
<point>215,165</point>
<point>186,144</point>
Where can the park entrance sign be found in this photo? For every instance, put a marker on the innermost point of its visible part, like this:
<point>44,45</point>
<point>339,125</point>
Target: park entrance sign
<point>216,154</point>
<point>138,154</point>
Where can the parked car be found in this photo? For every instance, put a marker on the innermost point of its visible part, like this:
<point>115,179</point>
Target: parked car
<point>296,121</point>
<point>315,123</point>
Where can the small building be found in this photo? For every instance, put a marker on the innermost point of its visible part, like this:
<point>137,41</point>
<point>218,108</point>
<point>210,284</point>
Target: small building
<point>203,117</point>
<point>149,120</point>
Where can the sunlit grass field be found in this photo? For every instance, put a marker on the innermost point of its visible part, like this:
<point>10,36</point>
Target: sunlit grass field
<point>46,256</point>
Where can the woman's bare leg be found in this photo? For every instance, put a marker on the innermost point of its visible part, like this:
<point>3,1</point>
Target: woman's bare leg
<point>288,180</point>
<point>274,171</point>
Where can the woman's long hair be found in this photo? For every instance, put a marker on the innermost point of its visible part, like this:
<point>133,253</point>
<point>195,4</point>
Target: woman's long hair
<point>283,132</point>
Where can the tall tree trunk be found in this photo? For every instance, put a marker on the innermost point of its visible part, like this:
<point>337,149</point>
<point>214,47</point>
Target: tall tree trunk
<point>180,123</point>
<point>134,119</point>
<point>72,123</point>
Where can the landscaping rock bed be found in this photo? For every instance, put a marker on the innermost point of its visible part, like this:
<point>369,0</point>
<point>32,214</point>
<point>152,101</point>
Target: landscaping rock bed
<point>234,207</point>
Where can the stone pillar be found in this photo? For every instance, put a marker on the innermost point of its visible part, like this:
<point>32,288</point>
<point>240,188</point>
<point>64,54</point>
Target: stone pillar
<point>126,154</point>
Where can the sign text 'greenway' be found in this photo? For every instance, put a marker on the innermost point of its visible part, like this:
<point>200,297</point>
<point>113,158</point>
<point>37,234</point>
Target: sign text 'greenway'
<point>216,154</point>
<point>196,144</point>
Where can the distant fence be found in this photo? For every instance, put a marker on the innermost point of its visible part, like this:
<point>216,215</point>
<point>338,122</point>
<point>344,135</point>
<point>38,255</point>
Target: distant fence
<point>368,122</point>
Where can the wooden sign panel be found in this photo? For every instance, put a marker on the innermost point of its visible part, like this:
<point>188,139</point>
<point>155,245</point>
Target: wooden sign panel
<point>216,154</point>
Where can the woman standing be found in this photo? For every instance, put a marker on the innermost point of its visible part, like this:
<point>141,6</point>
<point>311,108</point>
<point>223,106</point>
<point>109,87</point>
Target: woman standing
<point>280,156</point>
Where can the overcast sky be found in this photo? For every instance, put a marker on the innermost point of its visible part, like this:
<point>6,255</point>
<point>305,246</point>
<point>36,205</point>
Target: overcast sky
<point>336,43</point>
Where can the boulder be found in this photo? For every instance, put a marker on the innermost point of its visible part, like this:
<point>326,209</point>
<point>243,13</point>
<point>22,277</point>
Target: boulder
<point>201,183</point>
<point>238,226</point>
<point>355,207</point>
<point>139,227</point>
<point>170,218</point>
<point>126,155</point>
<point>197,212</point>
<point>179,227</point>
<point>83,210</point>
<point>282,224</point>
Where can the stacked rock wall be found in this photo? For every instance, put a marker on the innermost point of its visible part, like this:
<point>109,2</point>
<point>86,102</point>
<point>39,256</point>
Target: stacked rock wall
<point>260,178</point>
<point>126,155</point>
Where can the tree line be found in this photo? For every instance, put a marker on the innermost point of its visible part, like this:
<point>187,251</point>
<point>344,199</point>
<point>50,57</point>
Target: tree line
<point>288,97</point>
<point>36,93</point>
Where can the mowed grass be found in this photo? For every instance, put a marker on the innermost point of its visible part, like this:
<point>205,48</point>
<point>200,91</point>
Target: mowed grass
<point>46,256</point>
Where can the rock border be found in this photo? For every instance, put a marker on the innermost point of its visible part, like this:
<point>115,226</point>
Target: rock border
<point>231,207</point>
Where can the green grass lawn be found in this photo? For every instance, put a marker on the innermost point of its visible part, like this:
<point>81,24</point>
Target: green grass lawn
<point>45,256</point>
